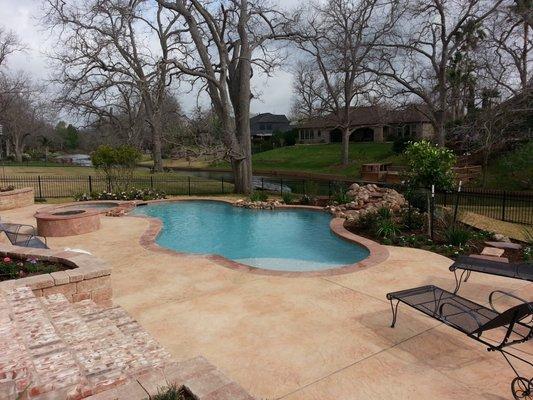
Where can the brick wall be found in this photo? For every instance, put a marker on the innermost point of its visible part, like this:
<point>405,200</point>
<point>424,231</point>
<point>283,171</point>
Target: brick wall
<point>16,198</point>
<point>89,277</point>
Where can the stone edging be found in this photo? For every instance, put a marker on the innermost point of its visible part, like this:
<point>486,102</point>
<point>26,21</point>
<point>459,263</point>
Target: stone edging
<point>377,252</point>
<point>16,198</point>
<point>89,279</point>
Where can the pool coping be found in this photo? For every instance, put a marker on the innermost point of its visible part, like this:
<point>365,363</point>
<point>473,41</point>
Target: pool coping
<point>377,252</point>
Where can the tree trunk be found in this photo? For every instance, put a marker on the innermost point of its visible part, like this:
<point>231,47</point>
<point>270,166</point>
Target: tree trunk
<point>345,154</point>
<point>154,119</point>
<point>242,172</point>
<point>242,169</point>
<point>18,152</point>
<point>157,146</point>
<point>440,131</point>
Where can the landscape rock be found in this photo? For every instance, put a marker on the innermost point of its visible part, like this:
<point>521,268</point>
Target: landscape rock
<point>367,199</point>
<point>501,238</point>
<point>258,205</point>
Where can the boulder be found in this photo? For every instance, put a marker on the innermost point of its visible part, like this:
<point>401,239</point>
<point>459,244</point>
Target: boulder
<point>501,238</point>
<point>365,199</point>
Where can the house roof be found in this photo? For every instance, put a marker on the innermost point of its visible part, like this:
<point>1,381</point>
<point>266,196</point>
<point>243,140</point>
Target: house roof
<point>268,117</point>
<point>369,115</point>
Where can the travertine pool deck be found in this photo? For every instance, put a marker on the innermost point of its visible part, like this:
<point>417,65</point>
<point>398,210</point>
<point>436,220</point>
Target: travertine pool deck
<point>302,338</point>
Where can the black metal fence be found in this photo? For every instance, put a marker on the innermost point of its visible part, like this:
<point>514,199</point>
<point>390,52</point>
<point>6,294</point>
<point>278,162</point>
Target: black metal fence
<point>49,187</point>
<point>508,206</point>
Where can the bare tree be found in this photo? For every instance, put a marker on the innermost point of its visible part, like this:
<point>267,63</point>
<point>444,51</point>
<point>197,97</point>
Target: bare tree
<point>198,138</point>
<point>506,55</point>
<point>309,94</point>
<point>9,44</point>
<point>220,45</point>
<point>417,60</point>
<point>340,39</point>
<point>24,115</point>
<point>109,44</point>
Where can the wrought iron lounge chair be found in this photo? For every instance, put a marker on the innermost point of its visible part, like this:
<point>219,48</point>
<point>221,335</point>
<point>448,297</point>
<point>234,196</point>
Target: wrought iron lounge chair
<point>510,270</point>
<point>475,320</point>
<point>23,235</point>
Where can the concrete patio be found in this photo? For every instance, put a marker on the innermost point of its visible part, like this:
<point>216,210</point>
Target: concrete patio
<point>301,338</point>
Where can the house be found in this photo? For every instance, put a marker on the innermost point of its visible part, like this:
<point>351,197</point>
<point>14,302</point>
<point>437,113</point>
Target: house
<point>368,124</point>
<point>264,125</point>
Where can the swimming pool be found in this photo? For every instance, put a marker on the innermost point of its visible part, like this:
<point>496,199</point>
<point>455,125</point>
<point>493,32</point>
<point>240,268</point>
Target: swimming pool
<point>283,240</point>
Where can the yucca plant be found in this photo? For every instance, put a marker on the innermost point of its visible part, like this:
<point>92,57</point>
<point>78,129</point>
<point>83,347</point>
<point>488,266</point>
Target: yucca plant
<point>258,196</point>
<point>288,197</point>
<point>386,228</point>
<point>457,236</point>
<point>172,393</point>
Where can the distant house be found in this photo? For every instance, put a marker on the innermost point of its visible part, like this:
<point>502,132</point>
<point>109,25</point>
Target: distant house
<point>368,124</point>
<point>264,125</point>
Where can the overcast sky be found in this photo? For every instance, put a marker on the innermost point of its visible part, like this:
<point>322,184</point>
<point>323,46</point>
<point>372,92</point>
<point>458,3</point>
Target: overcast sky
<point>21,16</point>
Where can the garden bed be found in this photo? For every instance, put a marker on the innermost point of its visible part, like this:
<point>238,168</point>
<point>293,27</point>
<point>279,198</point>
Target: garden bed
<point>450,239</point>
<point>15,268</point>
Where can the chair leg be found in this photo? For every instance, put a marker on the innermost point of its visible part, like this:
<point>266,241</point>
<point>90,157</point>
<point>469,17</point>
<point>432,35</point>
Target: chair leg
<point>468,275</point>
<point>459,280</point>
<point>394,312</point>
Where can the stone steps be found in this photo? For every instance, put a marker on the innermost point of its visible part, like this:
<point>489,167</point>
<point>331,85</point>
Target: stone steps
<point>53,349</point>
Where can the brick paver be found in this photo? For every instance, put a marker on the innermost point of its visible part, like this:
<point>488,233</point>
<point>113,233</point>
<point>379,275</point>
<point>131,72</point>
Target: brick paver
<point>53,349</point>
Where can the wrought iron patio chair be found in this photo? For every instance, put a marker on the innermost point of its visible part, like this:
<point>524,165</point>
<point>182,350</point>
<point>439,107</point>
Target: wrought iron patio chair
<point>474,320</point>
<point>467,265</point>
<point>23,235</point>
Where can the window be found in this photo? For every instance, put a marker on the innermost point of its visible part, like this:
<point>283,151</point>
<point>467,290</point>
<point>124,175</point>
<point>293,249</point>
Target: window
<point>262,127</point>
<point>269,127</point>
<point>307,134</point>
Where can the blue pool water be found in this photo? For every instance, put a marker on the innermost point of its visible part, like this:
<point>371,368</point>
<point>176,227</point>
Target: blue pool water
<point>287,240</point>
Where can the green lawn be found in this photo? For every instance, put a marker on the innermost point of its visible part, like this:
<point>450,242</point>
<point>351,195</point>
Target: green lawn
<point>68,181</point>
<point>323,158</point>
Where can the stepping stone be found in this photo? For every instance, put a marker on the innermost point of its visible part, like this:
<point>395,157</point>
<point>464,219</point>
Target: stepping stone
<point>492,251</point>
<point>504,245</point>
<point>490,258</point>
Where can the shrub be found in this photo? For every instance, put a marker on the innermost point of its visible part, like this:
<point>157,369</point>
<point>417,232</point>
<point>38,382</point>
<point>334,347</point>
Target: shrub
<point>411,218</point>
<point>528,254</point>
<point>340,197</point>
<point>172,393</point>
<point>117,164</point>
<point>285,138</point>
<point>258,196</point>
<point>367,220</point>
<point>430,165</point>
<point>518,165</point>
<point>287,197</point>
<point>457,236</point>
<point>306,199</point>
<point>400,144</point>
<point>131,194</point>
<point>386,228</point>
<point>384,213</point>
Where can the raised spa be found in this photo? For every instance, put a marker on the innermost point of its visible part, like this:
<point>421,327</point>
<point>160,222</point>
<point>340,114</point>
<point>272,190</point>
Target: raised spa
<point>284,240</point>
<point>72,219</point>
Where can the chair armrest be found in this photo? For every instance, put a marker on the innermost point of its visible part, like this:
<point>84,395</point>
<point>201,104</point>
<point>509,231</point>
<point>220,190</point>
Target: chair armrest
<point>505,294</point>
<point>32,228</point>
<point>463,309</point>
